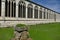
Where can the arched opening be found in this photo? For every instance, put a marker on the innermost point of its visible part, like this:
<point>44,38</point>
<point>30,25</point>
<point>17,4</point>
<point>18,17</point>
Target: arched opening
<point>35,12</point>
<point>44,13</point>
<point>9,10</point>
<point>47,14</point>
<point>21,9</point>
<point>13,9</point>
<point>40,13</point>
<point>0,7</point>
<point>30,11</point>
<point>6,3</point>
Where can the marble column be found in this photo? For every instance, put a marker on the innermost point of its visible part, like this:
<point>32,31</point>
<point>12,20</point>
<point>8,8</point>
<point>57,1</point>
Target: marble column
<point>3,10</point>
<point>17,11</point>
<point>33,11</point>
<point>26,11</point>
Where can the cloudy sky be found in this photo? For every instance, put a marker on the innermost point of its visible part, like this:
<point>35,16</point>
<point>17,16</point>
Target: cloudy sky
<point>52,4</point>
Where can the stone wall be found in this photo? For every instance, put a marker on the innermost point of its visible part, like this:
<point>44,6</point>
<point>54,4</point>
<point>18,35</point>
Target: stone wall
<point>25,21</point>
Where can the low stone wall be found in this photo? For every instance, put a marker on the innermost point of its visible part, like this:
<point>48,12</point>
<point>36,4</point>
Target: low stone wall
<point>21,33</point>
<point>27,22</point>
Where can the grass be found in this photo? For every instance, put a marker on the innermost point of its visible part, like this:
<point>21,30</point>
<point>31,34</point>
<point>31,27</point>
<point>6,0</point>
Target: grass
<point>6,33</point>
<point>45,31</point>
<point>37,32</point>
<point>20,25</point>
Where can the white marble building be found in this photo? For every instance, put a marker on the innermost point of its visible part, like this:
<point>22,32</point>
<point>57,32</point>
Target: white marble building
<point>27,12</point>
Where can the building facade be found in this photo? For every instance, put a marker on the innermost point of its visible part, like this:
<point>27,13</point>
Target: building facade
<point>23,11</point>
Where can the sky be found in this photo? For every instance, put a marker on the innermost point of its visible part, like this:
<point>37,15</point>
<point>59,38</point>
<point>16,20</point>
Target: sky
<point>51,4</point>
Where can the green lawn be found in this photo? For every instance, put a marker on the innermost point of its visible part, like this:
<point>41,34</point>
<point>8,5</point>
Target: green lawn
<point>6,33</point>
<point>45,31</point>
<point>37,32</point>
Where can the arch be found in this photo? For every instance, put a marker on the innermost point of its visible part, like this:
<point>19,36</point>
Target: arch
<point>30,5</point>
<point>36,12</point>
<point>21,9</point>
<point>36,7</point>
<point>22,3</point>
<point>40,8</point>
<point>30,11</point>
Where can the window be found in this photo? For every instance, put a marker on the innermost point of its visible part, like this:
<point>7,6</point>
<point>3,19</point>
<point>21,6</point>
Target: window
<point>24,11</point>
<point>6,8</point>
<point>9,10</point>
<point>40,13</point>
<point>47,14</point>
<point>36,12</point>
<point>21,9</point>
<point>0,7</point>
<point>18,10</point>
<point>50,14</point>
<point>14,9</point>
<point>30,11</point>
<point>54,17</point>
<point>44,13</point>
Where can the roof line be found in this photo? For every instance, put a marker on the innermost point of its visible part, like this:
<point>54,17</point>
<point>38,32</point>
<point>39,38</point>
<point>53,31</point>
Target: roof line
<point>42,6</point>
